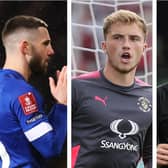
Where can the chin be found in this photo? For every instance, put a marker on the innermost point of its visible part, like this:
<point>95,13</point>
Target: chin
<point>126,70</point>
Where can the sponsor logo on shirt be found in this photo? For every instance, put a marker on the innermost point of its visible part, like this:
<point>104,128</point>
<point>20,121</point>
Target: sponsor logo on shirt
<point>123,128</point>
<point>127,127</point>
<point>119,145</point>
<point>28,103</point>
<point>144,104</point>
<point>33,119</point>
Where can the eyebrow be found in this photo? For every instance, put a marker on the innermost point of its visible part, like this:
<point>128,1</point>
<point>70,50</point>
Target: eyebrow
<point>119,34</point>
<point>130,35</point>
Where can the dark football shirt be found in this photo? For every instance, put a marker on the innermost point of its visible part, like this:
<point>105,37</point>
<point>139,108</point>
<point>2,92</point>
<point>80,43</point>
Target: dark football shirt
<point>111,125</point>
<point>162,106</point>
<point>162,115</point>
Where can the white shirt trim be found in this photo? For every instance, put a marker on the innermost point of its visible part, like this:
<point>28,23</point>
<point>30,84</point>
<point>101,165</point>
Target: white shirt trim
<point>38,131</point>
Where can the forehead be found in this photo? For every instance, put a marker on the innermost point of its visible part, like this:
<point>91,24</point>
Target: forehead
<point>125,29</point>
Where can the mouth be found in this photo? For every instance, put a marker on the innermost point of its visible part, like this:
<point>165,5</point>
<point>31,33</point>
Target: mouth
<point>125,57</point>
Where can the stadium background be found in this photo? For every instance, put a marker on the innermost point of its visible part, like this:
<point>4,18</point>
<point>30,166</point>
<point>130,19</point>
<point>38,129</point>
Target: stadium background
<point>87,21</point>
<point>55,14</point>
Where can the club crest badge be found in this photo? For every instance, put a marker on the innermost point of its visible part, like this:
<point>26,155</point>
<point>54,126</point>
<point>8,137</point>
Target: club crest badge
<point>144,104</point>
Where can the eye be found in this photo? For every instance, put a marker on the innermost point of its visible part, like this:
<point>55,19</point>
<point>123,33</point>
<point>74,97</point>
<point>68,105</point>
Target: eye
<point>135,38</point>
<point>117,36</point>
<point>46,43</point>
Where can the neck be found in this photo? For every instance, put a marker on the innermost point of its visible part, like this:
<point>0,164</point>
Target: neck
<point>17,65</point>
<point>119,78</point>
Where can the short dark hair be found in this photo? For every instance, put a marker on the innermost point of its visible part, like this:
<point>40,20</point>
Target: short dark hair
<point>22,21</point>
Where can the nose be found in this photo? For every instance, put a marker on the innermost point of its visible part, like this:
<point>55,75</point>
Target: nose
<point>126,43</point>
<point>50,51</point>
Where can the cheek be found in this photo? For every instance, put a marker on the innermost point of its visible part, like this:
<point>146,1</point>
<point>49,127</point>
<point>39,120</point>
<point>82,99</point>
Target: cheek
<point>40,54</point>
<point>112,48</point>
<point>139,50</point>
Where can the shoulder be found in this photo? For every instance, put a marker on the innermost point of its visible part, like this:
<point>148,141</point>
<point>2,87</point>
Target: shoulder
<point>162,90</point>
<point>163,87</point>
<point>85,83</point>
<point>91,76</point>
<point>143,85</point>
<point>12,88</point>
<point>19,86</point>
<point>85,80</point>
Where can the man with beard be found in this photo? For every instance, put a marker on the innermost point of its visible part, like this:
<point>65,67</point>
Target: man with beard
<point>111,120</point>
<point>27,134</point>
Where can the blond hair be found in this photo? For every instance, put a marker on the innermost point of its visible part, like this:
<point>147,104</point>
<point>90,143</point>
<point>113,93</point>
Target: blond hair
<point>125,17</point>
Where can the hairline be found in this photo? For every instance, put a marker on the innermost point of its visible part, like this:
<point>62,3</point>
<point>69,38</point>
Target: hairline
<point>123,23</point>
<point>124,17</point>
<point>22,30</point>
<point>27,23</point>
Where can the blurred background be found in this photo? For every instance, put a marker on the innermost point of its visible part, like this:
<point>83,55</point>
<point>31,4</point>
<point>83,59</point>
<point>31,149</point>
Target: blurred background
<point>55,15</point>
<point>162,58</point>
<point>162,43</point>
<point>87,34</point>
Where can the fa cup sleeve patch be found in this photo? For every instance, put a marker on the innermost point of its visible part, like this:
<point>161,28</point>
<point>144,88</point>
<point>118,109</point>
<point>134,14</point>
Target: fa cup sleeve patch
<point>28,103</point>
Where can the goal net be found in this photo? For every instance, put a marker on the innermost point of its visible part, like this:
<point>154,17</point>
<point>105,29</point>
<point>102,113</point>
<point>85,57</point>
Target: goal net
<point>87,34</point>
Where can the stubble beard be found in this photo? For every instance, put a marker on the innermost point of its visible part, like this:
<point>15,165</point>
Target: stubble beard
<point>122,70</point>
<point>125,71</point>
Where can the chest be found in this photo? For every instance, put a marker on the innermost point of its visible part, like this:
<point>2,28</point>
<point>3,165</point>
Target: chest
<point>102,106</point>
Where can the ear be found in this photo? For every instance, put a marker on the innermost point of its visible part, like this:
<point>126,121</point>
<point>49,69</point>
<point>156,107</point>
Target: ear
<point>103,46</point>
<point>24,47</point>
<point>145,46</point>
